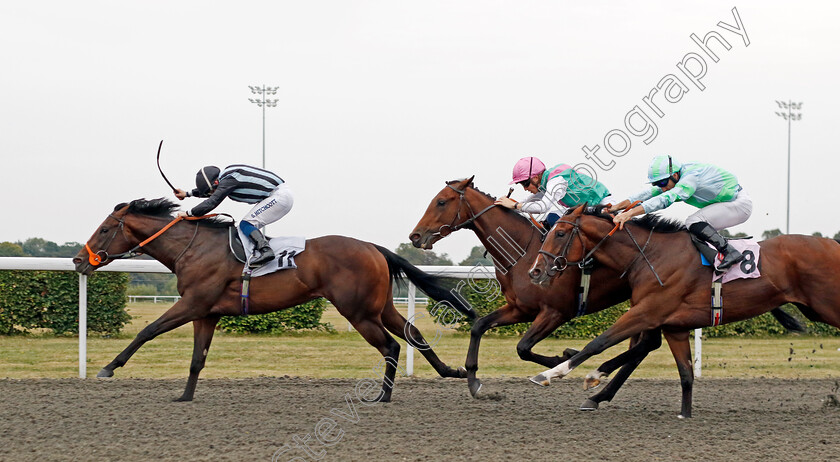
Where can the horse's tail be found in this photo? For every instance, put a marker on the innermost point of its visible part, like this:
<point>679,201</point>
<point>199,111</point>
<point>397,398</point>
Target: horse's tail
<point>431,285</point>
<point>787,321</point>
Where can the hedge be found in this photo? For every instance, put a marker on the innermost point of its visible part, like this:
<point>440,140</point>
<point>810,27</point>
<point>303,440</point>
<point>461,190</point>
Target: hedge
<point>304,316</point>
<point>485,297</point>
<point>50,300</point>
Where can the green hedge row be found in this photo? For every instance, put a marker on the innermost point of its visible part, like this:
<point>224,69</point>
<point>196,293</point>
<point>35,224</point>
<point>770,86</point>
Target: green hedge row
<point>485,297</point>
<point>305,316</point>
<point>50,300</point>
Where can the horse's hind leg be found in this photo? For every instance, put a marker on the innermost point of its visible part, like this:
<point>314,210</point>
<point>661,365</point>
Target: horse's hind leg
<point>681,349</point>
<point>379,338</point>
<point>179,314</point>
<point>398,326</point>
<point>203,334</point>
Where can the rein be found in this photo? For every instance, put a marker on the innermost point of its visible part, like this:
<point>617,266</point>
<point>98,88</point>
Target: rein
<point>95,259</point>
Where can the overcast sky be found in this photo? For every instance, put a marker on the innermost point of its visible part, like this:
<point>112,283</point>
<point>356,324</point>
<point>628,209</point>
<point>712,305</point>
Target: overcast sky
<point>380,102</point>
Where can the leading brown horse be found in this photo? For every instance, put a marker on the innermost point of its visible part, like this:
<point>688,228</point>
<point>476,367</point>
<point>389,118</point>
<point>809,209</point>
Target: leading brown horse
<point>801,270</point>
<point>357,277</point>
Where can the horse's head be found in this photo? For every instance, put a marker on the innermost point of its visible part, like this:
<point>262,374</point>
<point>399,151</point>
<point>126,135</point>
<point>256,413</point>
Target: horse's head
<point>110,238</point>
<point>559,248</point>
<point>448,211</point>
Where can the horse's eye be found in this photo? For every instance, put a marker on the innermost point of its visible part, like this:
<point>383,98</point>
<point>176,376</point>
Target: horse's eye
<point>103,231</point>
<point>560,234</point>
<point>441,202</point>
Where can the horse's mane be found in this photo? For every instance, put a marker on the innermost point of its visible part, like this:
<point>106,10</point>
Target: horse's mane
<point>164,208</point>
<point>650,221</point>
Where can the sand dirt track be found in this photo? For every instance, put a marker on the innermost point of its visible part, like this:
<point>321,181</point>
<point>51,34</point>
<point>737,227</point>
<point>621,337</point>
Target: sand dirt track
<point>429,419</point>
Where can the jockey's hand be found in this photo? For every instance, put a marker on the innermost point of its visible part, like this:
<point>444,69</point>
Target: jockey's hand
<point>620,206</point>
<point>506,202</point>
<point>183,214</point>
<point>622,218</point>
<point>180,194</point>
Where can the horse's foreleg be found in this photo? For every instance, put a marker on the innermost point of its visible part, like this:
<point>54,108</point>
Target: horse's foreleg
<point>504,316</point>
<point>593,379</point>
<point>629,324</point>
<point>179,314</point>
<point>202,336</point>
<point>542,327</point>
<point>681,349</point>
<point>647,342</point>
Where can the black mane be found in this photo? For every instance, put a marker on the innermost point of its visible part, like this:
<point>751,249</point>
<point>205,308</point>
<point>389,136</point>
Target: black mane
<point>164,208</point>
<point>650,221</point>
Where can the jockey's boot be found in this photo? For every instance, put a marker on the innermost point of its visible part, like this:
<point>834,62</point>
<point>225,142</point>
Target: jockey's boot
<point>262,251</point>
<point>706,233</point>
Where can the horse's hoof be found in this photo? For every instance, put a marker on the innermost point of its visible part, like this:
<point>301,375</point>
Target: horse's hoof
<point>589,405</point>
<point>568,353</point>
<point>475,387</point>
<point>105,373</point>
<point>462,373</point>
<point>541,380</point>
<point>182,399</point>
<point>681,416</point>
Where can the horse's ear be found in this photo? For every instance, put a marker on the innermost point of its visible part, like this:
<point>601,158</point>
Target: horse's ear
<point>470,181</point>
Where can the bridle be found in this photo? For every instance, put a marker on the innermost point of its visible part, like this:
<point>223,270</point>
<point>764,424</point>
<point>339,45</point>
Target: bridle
<point>446,230</point>
<point>101,256</point>
<point>94,258</point>
<point>559,263</point>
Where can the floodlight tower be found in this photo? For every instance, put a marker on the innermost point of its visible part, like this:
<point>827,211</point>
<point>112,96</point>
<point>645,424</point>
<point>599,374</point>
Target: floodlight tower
<point>263,103</point>
<point>790,116</point>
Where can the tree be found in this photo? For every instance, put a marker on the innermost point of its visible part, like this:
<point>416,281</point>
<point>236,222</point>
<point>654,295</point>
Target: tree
<point>817,234</point>
<point>477,257</point>
<point>417,256</point>
<point>771,233</point>
<point>837,235</point>
<point>9,249</point>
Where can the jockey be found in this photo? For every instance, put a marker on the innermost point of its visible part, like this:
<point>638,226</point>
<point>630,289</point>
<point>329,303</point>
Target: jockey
<point>716,192</point>
<point>554,190</point>
<point>242,183</point>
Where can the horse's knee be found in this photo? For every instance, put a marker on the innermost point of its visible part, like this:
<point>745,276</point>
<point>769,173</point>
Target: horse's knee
<point>524,351</point>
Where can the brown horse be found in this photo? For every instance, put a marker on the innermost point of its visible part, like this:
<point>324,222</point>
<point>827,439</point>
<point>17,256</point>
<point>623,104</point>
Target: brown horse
<point>357,277</point>
<point>513,242</point>
<point>794,269</point>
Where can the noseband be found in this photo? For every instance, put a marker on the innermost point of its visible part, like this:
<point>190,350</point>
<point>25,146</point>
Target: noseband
<point>94,258</point>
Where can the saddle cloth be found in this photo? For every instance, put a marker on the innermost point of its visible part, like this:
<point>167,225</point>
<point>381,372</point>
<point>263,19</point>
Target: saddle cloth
<point>747,268</point>
<point>285,248</point>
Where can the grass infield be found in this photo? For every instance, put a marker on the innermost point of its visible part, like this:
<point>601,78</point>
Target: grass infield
<point>346,354</point>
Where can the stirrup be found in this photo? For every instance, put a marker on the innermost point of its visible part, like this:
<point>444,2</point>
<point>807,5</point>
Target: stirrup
<point>725,265</point>
<point>263,258</point>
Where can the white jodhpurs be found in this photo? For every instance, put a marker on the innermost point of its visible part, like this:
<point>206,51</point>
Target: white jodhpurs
<point>272,208</point>
<point>723,215</point>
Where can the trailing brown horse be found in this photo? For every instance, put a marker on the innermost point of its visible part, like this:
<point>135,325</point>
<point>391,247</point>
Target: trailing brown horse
<point>357,277</point>
<point>794,269</point>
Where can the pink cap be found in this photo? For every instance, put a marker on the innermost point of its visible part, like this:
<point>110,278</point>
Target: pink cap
<point>527,167</point>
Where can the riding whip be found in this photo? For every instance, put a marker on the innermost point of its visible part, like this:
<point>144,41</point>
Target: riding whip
<point>174,189</point>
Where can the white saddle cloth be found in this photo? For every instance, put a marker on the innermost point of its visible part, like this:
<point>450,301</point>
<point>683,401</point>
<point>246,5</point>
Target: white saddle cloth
<point>285,248</point>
